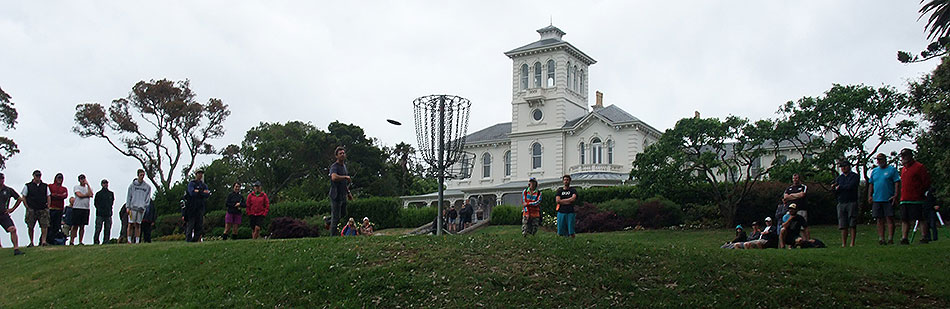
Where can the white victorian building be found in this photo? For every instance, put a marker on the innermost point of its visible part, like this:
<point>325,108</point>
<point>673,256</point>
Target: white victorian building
<point>552,131</point>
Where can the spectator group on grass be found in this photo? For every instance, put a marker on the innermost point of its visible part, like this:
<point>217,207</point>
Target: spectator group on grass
<point>889,189</point>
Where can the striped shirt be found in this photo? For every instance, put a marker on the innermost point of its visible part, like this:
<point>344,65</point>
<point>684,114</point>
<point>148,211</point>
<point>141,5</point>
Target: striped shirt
<point>532,202</point>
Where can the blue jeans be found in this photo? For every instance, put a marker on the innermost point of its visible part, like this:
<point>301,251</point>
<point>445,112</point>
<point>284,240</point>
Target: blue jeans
<point>565,224</point>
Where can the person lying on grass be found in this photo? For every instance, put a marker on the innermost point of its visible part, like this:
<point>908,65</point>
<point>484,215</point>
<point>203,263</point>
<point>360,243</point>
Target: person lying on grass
<point>809,243</point>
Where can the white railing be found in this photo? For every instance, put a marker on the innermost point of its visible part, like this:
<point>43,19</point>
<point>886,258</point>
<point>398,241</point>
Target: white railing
<point>615,168</point>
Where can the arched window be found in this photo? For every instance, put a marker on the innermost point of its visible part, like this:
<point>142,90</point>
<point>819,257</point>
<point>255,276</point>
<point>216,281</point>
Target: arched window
<point>610,151</point>
<point>575,78</point>
<point>486,165</point>
<point>537,75</point>
<point>596,150</point>
<point>536,156</point>
<point>466,172</point>
<point>551,73</point>
<point>508,163</point>
<point>583,153</point>
<point>569,75</point>
<point>524,76</point>
<point>581,89</point>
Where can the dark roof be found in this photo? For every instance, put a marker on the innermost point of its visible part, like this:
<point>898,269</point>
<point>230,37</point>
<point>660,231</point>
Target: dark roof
<point>537,44</point>
<point>612,113</point>
<point>496,132</point>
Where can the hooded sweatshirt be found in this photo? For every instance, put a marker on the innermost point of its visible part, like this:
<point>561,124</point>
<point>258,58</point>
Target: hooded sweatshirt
<point>139,196</point>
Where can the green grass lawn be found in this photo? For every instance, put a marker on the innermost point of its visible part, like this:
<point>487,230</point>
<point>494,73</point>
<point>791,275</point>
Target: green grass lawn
<point>494,267</point>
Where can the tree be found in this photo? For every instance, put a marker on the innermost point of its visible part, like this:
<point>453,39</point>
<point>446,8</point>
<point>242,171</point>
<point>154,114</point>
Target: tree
<point>718,153</point>
<point>8,116</point>
<point>847,123</point>
<point>159,124</point>
<point>930,99</point>
<point>938,27</point>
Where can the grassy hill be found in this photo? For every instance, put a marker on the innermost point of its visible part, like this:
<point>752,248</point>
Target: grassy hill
<point>495,267</point>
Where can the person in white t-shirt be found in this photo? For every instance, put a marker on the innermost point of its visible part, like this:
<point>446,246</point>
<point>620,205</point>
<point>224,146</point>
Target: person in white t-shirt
<point>80,217</point>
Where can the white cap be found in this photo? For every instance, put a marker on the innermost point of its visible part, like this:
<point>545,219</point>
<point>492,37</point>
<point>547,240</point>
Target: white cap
<point>768,218</point>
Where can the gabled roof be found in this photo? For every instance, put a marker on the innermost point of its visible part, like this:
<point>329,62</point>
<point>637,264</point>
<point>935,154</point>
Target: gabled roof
<point>612,114</point>
<point>498,132</point>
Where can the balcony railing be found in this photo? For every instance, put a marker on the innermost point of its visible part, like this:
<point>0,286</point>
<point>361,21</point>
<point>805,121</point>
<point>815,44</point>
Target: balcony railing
<point>580,168</point>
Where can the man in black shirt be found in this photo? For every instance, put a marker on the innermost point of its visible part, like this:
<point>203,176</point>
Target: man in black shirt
<point>232,219</point>
<point>792,228</point>
<point>339,189</point>
<point>104,201</point>
<point>565,198</point>
<point>846,188</point>
<point>6,193</point>
<point>795,194</point>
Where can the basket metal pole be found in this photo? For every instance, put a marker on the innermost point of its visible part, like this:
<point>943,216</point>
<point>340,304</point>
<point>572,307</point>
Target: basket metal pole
<point>438,229</point>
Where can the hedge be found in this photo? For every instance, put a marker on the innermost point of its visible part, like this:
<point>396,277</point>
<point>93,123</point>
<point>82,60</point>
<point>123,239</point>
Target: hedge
<point>383,212</point>
<point>506,215</point>
<point>416,217</point>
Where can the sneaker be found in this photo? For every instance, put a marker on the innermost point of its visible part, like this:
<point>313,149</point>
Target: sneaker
<point>224,237</point>
<point>905,241</point>
<point>890,242</point>
<point>30,246</point>
<point>881,242</point>
<point>17,252</point>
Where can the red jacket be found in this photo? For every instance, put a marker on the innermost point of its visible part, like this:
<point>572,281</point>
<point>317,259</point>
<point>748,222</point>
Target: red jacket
<point>914,182</point>
<point>57,202</point>
<point>257,205</point>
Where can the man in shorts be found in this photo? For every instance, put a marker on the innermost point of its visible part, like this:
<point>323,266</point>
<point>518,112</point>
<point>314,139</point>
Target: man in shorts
<point>136,201</point>
<point>915,180</point>
<point>35,194</point>
<point>6,193</point>
<point>565,198</point>
<point>882,188</point>
<point>846,188</point>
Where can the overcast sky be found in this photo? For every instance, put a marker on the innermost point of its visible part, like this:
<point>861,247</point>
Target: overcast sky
<point>361,62</point>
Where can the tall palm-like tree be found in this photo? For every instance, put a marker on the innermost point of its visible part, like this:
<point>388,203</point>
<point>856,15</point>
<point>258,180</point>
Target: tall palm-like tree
<point>939,22</point>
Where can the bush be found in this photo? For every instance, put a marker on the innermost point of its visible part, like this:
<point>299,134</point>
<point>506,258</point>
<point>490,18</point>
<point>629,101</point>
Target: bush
<point>766,195</point>
<point>172,237</point>
<point>299,210</point>
<point>416,217</point>
<point>167,225</point>
<point>701,216</point>
<point>383,212</point>
<point>286,227</point>
<point>591,219</point>
<point>214,219</point>
<point>626,208</point>
<point>506,215</point>
<point>659,212</point>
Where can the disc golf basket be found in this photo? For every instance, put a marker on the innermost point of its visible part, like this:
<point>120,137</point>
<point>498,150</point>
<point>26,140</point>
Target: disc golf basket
<point>441,125</point>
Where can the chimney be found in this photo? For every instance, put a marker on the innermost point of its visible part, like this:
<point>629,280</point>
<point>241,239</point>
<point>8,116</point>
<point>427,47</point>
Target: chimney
<point>696,115</point>
<point>600,100</point>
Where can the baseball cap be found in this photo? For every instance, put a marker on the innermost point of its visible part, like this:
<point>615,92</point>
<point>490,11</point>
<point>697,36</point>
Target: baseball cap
<point>768,218</point>
<point>793,206</point>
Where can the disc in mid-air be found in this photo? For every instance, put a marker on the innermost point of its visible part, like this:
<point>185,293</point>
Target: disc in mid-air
<point>394,122</point>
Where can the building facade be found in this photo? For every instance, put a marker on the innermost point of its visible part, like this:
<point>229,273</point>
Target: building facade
<point>553,131</point>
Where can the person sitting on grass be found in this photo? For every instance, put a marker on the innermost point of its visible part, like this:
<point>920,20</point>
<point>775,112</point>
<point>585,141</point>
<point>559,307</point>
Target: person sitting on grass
<point>809,243</point>
<point>766,238</point>
<point>350,228</point>
<point>740,238</point>
<point>366,229</point>
<point>792,228</point>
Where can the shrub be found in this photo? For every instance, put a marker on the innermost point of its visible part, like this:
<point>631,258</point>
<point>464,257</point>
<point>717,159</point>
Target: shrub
<point>383,212</point>
<point>659,212</point>
<point>506,215</point>
<point>167,225</point>
<point>172,237</point>
<point>214,219</point>
<point>416,217</point>
<point>299,210</point>
<point>286,227</point>
<point>626,208</point>
<point>701,216</point>
<point>591,219</point>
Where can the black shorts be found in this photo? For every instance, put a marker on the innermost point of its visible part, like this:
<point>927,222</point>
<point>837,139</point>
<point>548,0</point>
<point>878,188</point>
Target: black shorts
<point>5,220</point>
<point>256,220</point>
<point>912,212</point>
<point>80,217</point>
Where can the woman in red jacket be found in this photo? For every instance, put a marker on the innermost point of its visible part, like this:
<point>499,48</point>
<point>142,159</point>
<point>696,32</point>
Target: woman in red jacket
<point>257,207</point>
